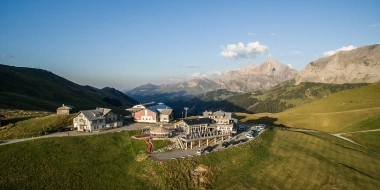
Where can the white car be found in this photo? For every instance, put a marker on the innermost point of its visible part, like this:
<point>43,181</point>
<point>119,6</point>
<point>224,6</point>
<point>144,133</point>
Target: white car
<point>200,151</point>
<point>249,136</point>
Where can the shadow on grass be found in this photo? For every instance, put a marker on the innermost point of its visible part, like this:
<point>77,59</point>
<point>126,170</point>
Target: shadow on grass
<point>14,120</point>
<point>239,117</point>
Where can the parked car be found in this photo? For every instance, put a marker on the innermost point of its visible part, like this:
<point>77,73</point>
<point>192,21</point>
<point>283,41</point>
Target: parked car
<point>46,132</point>
<point>200,151</point>
<point>225,144</point>
<point>249,136</point>
<point>241,127</point>
<point>208,149</point>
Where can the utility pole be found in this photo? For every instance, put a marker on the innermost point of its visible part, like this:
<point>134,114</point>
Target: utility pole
<point>185,108</point>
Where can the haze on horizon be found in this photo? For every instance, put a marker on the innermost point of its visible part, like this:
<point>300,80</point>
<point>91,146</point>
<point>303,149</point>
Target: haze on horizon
<point>124,44</point>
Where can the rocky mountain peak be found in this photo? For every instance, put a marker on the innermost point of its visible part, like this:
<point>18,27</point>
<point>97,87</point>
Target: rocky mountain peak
<point>360,65</point>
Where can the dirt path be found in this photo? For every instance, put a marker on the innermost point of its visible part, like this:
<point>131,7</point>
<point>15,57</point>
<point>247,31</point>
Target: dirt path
<point>364,131</point>
<point>348,111</point>
<point>335,135</point>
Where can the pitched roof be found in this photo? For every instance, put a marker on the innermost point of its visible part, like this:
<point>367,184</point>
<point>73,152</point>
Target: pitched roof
<point>149,104</point>
<point>65,107</point>
<point>104,111</point>
<point>92,114</point>
<point>226,115</point>
<point>165,111</point>
<point>197,121</point>
<point>155,108</point>
<point>134,109</point>
<point>95,114</point>
<point>160,130</point>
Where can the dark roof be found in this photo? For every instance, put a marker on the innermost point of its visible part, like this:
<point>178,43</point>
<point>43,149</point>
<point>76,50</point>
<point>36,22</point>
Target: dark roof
<point>149,104</point>
<point>197,121</point>
<point>95,114</point>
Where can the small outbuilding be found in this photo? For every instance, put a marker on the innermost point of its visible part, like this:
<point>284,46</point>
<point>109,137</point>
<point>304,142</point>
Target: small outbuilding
<point>65,110</point>
<point>160,132</point>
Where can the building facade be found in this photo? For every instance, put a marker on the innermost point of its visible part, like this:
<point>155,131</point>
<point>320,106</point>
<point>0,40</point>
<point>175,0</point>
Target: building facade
<point>151,113</point>
<point>65,110</point>
<point>95,120</point>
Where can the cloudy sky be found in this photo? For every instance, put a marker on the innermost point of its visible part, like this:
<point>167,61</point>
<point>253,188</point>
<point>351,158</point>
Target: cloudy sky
<point>124,44</point>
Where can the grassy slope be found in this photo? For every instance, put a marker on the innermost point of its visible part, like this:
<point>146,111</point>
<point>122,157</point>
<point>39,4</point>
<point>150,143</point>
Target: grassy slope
<point>287,95</point>
<point>339,112</point>
<point>367,139</point>
<point>276,160</point>
<point>35,126</point>
<point>92,162</point>
<point>36,89</point>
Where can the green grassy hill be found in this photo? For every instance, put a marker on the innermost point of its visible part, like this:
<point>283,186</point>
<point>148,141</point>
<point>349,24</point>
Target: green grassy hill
<point>287,95</point>
<point>283,97</point>
<point>276,160</point>
<point>32,127</point>
<point>340,112</point>
<point>37,89</point>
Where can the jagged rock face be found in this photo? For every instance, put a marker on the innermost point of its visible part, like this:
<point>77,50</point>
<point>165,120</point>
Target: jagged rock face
<point>256,77</point>
<point>361,65</point>
<point>249,78</point>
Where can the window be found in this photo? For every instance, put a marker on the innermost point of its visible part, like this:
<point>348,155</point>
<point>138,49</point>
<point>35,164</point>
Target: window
<point>94,121</point>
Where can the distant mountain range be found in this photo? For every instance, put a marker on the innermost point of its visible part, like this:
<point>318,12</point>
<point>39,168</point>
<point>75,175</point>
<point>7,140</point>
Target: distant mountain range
<point>268,87</point>
<point>37,89</point>
<point>249,78</point>
<point>360,65</point>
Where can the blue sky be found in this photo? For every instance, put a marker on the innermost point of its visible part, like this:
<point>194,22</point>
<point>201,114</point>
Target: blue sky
<point>124,44</point>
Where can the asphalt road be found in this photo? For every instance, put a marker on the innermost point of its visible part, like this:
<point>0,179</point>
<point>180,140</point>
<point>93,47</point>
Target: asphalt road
<point>129,126</point>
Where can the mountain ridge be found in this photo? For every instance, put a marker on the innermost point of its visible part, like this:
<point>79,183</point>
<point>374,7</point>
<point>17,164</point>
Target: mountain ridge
<point>360,65</point>
<point>38,89</point>
<point>248,78</point>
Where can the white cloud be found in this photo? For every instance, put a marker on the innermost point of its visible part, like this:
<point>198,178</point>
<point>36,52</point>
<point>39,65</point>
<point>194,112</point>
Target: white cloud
<point>252,34</point>
<point>290,66</point>
<point>210,74</point>
<point>6,56</point>
<point>375,25</point>
<point>272,34</point>
<point>240,50</point>
<point>297,52</point>
<point>344,48</point>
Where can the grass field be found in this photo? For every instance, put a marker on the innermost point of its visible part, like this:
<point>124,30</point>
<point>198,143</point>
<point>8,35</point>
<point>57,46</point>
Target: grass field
<point>283,160</point>
<point>340,112</point>
<point>367,139</point>
<point>345,111</point>
<point>276,160</point>
<point>90,162</point>
<point>32,127</point>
